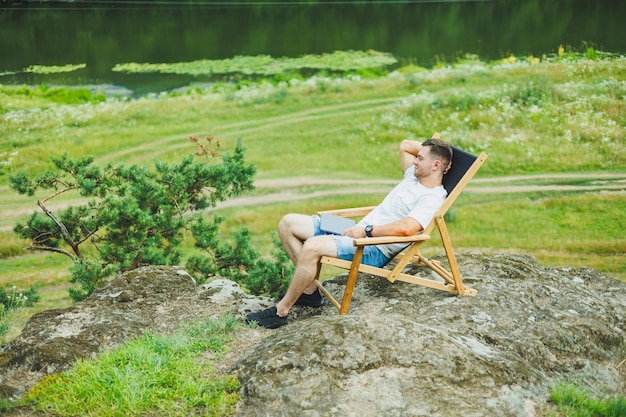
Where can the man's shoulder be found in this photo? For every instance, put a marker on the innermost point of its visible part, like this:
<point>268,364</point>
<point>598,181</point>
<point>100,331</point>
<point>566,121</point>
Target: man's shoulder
<point>438,193</point>
<point>437,190</point>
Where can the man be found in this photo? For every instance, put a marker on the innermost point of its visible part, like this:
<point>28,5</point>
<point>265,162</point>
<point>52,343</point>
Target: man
<point>406,210</point>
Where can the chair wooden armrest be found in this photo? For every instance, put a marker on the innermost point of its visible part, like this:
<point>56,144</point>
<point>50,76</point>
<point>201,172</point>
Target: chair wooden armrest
<point>349,212</point>
<point>385,240</point>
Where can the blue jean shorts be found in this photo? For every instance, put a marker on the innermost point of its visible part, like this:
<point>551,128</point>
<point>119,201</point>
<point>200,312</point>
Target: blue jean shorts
<point>346,249</point>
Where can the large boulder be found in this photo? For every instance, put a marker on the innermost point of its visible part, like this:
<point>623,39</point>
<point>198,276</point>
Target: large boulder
<point>403,350</point>
<point>156,299</point>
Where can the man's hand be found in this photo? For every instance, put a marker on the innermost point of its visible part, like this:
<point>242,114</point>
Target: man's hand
<point>355,232</point>
<point>406,226</point>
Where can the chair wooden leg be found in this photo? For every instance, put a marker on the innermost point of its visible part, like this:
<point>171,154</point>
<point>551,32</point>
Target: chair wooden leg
<point>436,267</point>
<point>454,266</point>
<point>354,272</point>
<point>328,295</point>
<point>413,251</point>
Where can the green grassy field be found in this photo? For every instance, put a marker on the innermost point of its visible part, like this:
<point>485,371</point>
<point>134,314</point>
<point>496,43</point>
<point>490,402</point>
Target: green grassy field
<point>553,186</point>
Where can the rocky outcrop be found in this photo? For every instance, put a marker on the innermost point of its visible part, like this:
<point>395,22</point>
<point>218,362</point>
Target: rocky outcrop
<point>150,299</point>
<point>405,350</point>
<point>402,350</point>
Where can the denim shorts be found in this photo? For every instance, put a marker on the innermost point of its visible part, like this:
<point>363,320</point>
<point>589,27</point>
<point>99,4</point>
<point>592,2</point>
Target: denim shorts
<point>346,249</point>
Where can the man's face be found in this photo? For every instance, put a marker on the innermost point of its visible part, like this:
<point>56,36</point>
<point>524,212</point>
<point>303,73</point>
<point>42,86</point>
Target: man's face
<point>423,163</point>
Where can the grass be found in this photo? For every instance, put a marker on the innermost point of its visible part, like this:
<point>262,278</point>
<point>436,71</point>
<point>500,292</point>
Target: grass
<point>550,225</point>
<point>553,186</point>
<point>574,400</point>
<point>151,375</point>
<point>560,116</point>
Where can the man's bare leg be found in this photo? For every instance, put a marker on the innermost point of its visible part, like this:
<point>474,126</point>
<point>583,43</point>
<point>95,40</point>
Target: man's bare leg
<point>293,230</point>
<point>307,270</point>
<point>305,251</point>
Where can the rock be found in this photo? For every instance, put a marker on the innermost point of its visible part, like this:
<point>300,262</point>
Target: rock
<point>150,299</point>
<point>403,350</point>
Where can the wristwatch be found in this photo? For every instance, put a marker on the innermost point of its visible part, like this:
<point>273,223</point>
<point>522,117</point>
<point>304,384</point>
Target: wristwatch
<point>368,230</point>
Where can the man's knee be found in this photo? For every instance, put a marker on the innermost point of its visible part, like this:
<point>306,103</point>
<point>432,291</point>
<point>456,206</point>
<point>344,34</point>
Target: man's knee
<point>318,246</point>
<point>298,225</point>
<point>286,223</point>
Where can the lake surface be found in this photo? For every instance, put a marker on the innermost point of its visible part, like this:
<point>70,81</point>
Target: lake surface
<point>423,33</point>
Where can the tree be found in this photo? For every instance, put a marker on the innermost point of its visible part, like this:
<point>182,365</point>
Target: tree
<point>133,216</point>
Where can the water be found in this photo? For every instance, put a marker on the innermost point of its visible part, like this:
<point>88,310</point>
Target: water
<point>423,33</point>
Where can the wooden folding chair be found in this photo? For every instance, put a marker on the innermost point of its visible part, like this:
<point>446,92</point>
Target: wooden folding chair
<point>464,167</point>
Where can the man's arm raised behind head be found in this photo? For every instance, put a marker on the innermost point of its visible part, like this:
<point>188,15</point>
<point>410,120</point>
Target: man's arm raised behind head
<point>409,149</point>
<point>408,152</point>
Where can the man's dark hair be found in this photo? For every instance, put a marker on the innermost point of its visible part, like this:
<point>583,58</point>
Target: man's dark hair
<point>440,149</point>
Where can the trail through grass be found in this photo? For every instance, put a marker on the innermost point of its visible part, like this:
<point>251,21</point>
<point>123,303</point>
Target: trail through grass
<point>543,125</point>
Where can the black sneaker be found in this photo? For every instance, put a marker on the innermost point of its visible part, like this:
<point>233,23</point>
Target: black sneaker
<point>267,318</point>
<point>314,299</point>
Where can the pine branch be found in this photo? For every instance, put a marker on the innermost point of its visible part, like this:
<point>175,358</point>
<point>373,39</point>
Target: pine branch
<point>66,234</point>
<point>52,249</point>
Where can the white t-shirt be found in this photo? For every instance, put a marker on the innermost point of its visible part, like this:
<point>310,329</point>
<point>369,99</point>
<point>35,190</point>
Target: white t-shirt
<point>408,199</point>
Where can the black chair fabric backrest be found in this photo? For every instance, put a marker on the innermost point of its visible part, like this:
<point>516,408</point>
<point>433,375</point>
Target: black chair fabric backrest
<point>461,161</point>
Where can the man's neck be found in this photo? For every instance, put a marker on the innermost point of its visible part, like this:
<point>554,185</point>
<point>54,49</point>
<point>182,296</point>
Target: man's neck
<point>431,181</point>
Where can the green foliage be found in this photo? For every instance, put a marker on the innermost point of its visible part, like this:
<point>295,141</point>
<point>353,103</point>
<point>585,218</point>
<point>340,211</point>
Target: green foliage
<point>4,323</point>
<point>6,405</point>
<point>133,216</point>
<point>573,400</point>
<point>151,375</point>
<point>54,69</point>
<point>368,73</point>
<point>342,61</point>
<point>238,261</point>
<point>531,93</point>
<point>90,275</point>
<point>270,275</point>
<point>6,161</point>
<point>220,257</point>
<point>13,299</point>
<point>73,96</point>
<point>287,77</point>
<point>61,95</point>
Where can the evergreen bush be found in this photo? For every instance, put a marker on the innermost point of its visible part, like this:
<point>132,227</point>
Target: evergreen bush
<point>134,216</point>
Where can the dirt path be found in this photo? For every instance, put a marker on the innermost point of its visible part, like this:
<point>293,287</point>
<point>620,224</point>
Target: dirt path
<point>253,125</point>
<point>292,189</point>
